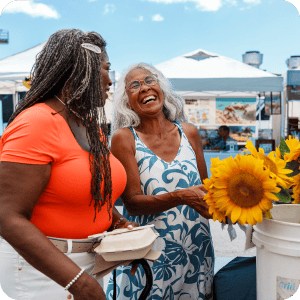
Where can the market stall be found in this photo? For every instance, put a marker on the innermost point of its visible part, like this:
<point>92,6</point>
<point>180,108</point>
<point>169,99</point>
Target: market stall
<point>291,101</point>
<point>13,71</point>
<point>222,91</point>
<point>15,68</point>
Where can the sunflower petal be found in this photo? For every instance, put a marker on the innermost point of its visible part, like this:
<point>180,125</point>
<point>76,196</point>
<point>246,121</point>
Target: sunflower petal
<point>268,215</point>
<point>215,216</point>
<point>222,217</point>
<point>220,193</point>
<point>243,217</point>
<point>269,185</point>
<point>220,184</point>
<point>250,218</point>
<point>236,212</point>
<point>221,204</point>
<point>251,148</point>
<point>266,204</point>
<point>257,214</point>
<point>271,196</point>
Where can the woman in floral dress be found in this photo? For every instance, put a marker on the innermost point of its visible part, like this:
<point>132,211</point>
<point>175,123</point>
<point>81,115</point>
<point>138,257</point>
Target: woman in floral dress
<point>164,161</point>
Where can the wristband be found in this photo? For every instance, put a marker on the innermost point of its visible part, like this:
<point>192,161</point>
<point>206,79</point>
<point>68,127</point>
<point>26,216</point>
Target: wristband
<point>119,221</point>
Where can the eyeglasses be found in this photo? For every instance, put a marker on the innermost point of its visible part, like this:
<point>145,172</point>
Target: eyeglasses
<point>135,85</point>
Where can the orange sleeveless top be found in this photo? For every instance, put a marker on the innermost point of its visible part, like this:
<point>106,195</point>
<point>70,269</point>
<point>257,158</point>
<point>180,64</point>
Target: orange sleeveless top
<point>63,211</point>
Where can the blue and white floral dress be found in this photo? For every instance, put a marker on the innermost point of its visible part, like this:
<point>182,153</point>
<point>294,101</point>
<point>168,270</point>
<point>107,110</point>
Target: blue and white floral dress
<point>185,269</point>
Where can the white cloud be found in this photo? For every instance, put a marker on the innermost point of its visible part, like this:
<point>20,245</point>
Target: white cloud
<point>168,1</point>
<point>245,8</point>
<point>139,19</point>
<point>252,1</point>
<point>232,2</point>
<point>208,5</point>
<point>204,5</point>
<point>109,8</point>
<point>31,8</point>
<point>157,18</point>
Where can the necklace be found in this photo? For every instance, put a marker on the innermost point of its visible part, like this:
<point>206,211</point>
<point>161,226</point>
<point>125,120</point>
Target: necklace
<point>74,112</point>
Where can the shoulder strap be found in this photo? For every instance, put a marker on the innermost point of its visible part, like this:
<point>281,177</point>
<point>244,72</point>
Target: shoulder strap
<point>133,132</point>
<point>179,127</point>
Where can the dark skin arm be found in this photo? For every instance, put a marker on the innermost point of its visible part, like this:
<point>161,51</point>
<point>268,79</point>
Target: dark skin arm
<point>20,188</point>
<point>123,223</point>
<point>123,147</point>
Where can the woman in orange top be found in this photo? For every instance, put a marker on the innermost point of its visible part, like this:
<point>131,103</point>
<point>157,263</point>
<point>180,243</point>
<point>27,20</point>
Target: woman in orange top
<point>57,176</point>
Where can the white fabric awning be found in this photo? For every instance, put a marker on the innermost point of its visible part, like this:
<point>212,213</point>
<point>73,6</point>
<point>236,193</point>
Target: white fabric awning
<point>15,68</point>
<point>201,70</point>
<point>20,64</point>
<point>11,87</point>
<point>216,94</point>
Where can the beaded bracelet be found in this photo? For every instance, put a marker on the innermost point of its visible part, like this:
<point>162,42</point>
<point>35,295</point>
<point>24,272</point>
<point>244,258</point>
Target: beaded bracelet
<point>119,221</point>
<point>75,278</point>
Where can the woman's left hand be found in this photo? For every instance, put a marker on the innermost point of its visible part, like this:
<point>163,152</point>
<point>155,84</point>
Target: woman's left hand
<point>126,224</point>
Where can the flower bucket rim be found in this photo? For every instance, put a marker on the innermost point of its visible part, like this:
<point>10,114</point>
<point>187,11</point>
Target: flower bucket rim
<point>284,222</point>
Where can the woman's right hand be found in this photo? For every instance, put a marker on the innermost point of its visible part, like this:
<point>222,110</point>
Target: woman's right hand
<point>86,288</point>
<point>193,197</point>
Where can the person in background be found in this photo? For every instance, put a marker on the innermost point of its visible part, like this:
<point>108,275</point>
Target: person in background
<point>58,179</point>
<point>164,162</point>
<point>220,143</point>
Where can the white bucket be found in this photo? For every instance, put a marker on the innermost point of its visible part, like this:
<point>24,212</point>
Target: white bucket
<point>278,253</point>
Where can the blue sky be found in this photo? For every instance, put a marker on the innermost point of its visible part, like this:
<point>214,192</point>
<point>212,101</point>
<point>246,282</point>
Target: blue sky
<point>154,31</point>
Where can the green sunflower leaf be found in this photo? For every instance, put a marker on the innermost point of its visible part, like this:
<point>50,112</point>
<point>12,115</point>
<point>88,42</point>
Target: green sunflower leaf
<point>284,195</point>
<point>283,147</point>
<point>293,165</point>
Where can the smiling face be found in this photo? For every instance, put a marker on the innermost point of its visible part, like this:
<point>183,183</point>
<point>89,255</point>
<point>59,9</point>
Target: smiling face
<point>147,100</point>
<point>106,81</point>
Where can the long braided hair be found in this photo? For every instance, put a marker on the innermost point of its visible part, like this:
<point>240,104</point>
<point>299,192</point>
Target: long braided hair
<point>63,65</point>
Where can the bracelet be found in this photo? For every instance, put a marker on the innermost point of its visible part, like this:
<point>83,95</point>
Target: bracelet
<point>119,221</point>
<point>75,278</point>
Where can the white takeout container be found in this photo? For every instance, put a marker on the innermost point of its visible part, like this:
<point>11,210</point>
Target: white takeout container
<point>130,245</point>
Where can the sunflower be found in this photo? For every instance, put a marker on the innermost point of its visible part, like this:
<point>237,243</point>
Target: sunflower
<point>242,189</point>
<point>268,215</point>
<point>296,189</point>
<point>275,164</point>
<point>294,146</point>
<point>296,194</point>
<point>216,213</point>
<point>277,153</point>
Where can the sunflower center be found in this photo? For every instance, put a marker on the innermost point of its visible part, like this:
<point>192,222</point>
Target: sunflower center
<point>245,190</point>
<point>269,163</point>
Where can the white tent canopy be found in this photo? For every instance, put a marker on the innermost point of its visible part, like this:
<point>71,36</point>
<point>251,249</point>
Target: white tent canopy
<point>15,68</point>
<point>217,94</point>
<point>201,70</point>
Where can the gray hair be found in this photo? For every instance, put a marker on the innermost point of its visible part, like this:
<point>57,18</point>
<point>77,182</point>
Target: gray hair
<point>123,116</point>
